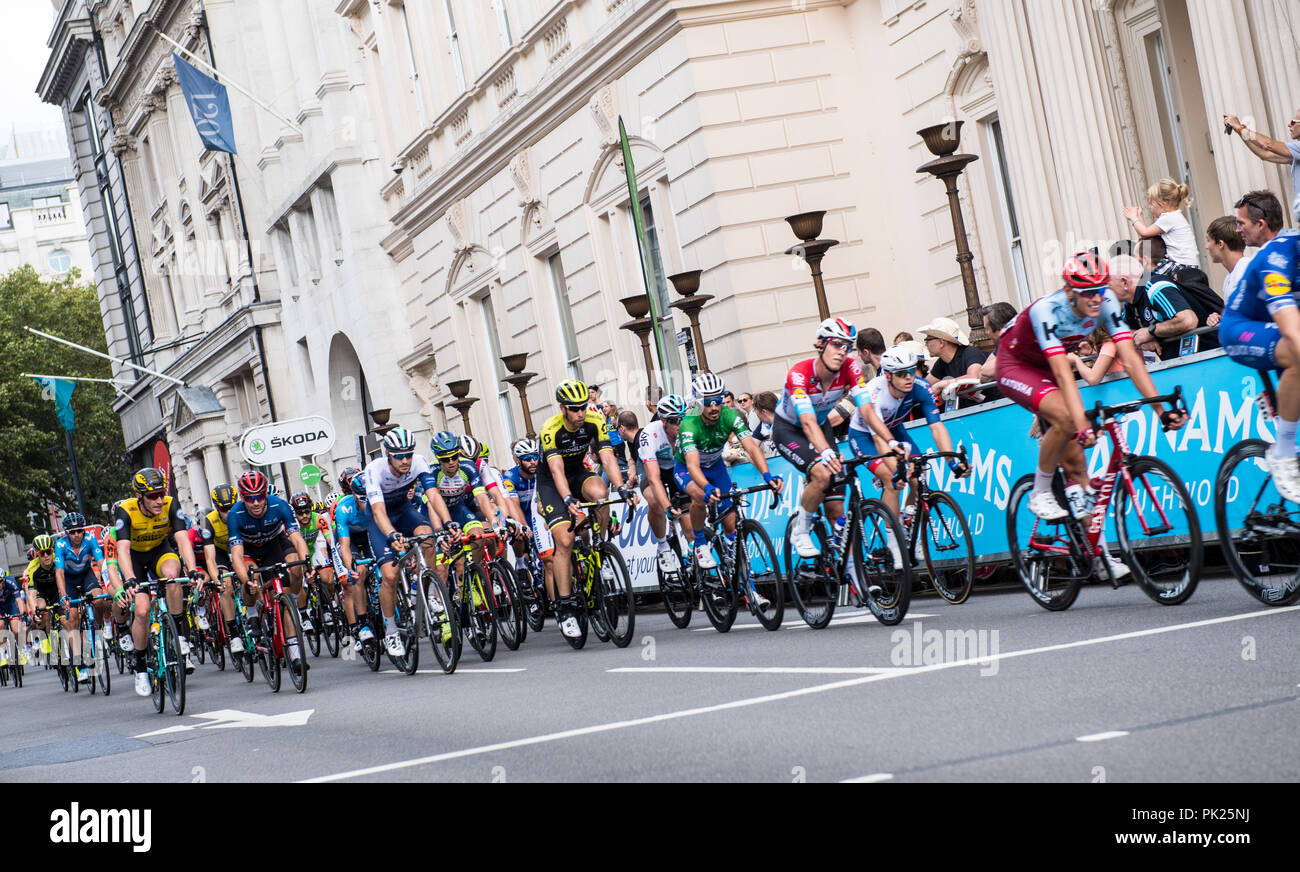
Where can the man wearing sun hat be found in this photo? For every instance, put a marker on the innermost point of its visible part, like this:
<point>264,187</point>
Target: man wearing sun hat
<point>953,358</point>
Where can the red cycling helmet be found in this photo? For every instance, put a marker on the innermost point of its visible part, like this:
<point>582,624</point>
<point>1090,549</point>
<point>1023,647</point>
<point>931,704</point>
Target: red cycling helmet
<point>252,484</point>
<point>1086,271</point>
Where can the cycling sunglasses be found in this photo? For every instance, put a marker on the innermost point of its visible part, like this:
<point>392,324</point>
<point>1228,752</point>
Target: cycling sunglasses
<point>255,498</point>
<point>155,495</point>
<point>401,455</point>
<point>711,402</point>
<point>532,458</point>
<point>577,407</point>
<point>841,344</point>
<point>913,372</point>
<point>1090,292</point>
<point>447,458</point>
<point>46,553</point>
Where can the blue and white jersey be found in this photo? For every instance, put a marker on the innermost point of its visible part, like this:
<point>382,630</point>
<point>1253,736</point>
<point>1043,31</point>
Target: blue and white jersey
<point>1268,284</point>
<point>77,562</point>
<point>11,590</point>
<point>460,486</point>
<point>383,485</point>
<point>893,410</point>
<point>652,443</point>
<point>519,486</point>
<point>278,520</point>
<point>350,520</point>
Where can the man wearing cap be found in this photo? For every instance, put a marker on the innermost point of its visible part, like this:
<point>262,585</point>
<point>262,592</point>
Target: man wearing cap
<point>954,359</point>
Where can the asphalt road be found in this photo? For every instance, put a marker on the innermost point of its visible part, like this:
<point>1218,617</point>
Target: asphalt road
<point>1117,688</point>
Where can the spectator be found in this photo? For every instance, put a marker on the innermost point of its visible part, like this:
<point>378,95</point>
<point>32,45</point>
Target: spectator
<point>1225,247</point>
<point>610,411</point>
<point>627,428</point>
<point>954,359</point>
<point>593,392</point>
<point>1105,364</point>
<point>1166,199</point>
<point>1159,312</point>
<point>765,409</point>
<point>729,399</point>
<point>1275,151</point>
<point>870,346</point>
<point>996,318</point>
<point>902,337</point>
<point>745,403</point>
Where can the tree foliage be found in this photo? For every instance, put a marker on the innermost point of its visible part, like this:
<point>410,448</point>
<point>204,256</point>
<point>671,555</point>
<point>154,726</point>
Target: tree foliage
<point>34,469</point>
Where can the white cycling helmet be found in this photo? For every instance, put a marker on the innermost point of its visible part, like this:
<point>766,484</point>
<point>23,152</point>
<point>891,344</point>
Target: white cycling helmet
<point>707,384</point>
<point>470,448</point>
<point>837,328</point>
<point>524,447</point>
<point>897,359</point>
<point>398,439</point>
<point>671,406</point>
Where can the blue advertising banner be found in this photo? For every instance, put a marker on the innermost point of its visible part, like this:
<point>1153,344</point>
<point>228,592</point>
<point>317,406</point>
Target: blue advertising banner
<point>209,105</point>
<point>1220,398</point>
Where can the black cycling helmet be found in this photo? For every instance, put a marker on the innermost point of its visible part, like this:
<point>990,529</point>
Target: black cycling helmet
<point>300,502</point>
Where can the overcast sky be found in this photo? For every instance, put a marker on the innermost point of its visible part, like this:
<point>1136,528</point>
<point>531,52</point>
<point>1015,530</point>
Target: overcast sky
<point>23,52</point>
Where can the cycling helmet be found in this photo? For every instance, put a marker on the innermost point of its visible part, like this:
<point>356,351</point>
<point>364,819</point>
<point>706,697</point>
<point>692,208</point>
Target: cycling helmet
<point>572,392</point>
<point>300,502</point>
<point>444,444</point>
<point>333,497</point>
<point>149,480</point>
<point>671,406</point>
<point>43,542</point>
<point>470,447</point>
<point>897,359</point>
<point>397,440</point>
<point>525,447</point>
<point>837,328</point>
<point>318,507</point>
<point>271,489</point>
<point>223,496</point>
<point>357,486</point>
<point>252,484</point>
<point>1086,271</point>
<point>346,475</point>
<point>73,521</point>
<point>707,384</point>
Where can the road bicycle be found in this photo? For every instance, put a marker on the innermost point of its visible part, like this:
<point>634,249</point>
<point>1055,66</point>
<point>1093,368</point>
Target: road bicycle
<point>278,609</point>
<point>678,589</point>
<point>94,641</point>
<point>372,650</point>
<point>162,654</point>
<point>601,581</point>
<point>435,616</point>
<point>1054,558</point>
<point>333,615</point>
<point>210,634</point>
<point>757,579</point>
<point>485,594</point>
<point>314,609</point>
<point>875,582</point>
<point>938,525</point>
<point>13,671</point>
<point>530,579</point>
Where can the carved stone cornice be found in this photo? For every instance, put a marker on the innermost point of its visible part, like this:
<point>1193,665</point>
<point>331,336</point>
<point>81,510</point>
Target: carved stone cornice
<point>459,227</point>
<point>524,175</point>
<point>606,115</point>
<point>121,144</point>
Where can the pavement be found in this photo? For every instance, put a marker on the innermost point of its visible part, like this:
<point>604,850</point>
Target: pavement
<point>1116,689</point>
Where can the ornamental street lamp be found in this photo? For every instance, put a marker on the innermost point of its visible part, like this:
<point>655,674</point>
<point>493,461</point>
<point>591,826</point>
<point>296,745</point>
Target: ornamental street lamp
<point>808,226</point>
<point>686,284</point>
<point>520,379</point>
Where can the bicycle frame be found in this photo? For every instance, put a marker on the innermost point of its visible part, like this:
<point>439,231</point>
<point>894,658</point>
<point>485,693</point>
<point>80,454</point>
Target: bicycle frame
<point>271,589</point>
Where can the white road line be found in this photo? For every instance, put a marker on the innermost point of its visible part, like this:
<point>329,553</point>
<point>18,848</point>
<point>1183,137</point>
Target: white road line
<point>768,670</point>
<point>870,779</point>
<point>1101,737</point>
<point>778,697</point>
<point>798,624</point>
<point>459,670</point>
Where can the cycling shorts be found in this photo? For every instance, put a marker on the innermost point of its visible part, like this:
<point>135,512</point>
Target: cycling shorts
<point>152,561</point>
<point>1024,383</point>
<point>9,609</point>
<point>78,585</point>
<point>792,444</point>
<point>667,475</point>
<point>552,508</point>
<point>863,443</point>
<point>405,520</point>
<point>716,475</point>
<point>278,550</point>
<point>1251,343</point>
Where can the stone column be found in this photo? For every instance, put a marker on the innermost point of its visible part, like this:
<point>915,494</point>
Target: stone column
<point>1031,162</point>
<point>197,481</point>
<point>301,49</point>
<point>215,468</point>
<point>1084,128</point>
<point>1230,83</point>
<point>1277,33</point>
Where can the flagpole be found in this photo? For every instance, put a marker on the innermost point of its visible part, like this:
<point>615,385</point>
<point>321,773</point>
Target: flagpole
<point>85,378</point>
<point>109,357</point>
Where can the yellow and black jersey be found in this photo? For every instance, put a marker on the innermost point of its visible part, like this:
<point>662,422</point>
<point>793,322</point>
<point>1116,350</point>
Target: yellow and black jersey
<point>144,532</point>
<point>215,532</point>
<point>572,445</point>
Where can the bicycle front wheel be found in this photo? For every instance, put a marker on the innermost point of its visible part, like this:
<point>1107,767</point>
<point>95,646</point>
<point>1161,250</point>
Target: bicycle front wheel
<point>758,577</point>
<point>479,626</point>
<point>292,620</point>
<point>103,674</point>
<point>507,610</point>
<point>885,588</point>
<point>439,616</point>
<point>317,617</point>
<point>173,671</point>
<point>267,660</point>
<point>1043,552</point>
<point>1259,530</point>
<point>717,595</point>
<point>617,602</point>
<point>1156,506</point>
<point>948,547</point>
<point>813,583</point>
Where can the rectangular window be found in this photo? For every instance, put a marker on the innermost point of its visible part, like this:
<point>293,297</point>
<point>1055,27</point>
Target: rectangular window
<point>1010,224</point>
<point>457,61</point>
<point>560,297</point>
<point>285,244</point>
<point>503,23</point>
<point>6,222</point>
<point>496,367</point>
<point>46,202</point>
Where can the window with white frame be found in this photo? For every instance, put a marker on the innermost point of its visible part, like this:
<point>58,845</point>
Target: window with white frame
<point>1007,206</point>
<point>560,298</point>
<point>456,59</point>
<point>495,367</point>
<point>503,23</point>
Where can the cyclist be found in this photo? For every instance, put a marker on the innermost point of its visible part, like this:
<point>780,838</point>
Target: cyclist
<point>504,508</point>
<point>310,522</point>
<point>520,486</point>
<point>44,592</point>
<point>352,521</point>
<point>655,464</point>
<point>263,526</point>
<point>13,624</point>
<point>1034,371</point>
<point>216,555</point>
<point>394,514</point>
<point>564,480</point>
<point>801,432</point>
<point>699,469</point>
<point>148,527</point>
<point>877,428</point>
<point>459,484</point>
<point>1261,324</point>
<point>77,558</point>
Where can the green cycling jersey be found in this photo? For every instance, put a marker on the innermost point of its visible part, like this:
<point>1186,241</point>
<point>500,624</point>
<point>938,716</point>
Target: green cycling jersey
<point>695,435</point>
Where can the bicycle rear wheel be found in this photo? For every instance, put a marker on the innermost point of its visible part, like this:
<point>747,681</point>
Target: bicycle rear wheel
<point>758,577</point>
<point>314,612</point>
<point>1259,531</point>
<point>1159,507</point>
<point>173,671</point>
<point>1044,553</point>
<point>333,630</point>
<point>533,594</point>
<point>718,597</point>
<point>267,660</point>
<point>616,601</point>
<point>154,670</point>
<point>298,672</point>
<point>948,547</point>
<point>507,610</point>
<point>439,616</point>
<point>250,652</point>
<point>885,588</point>
<point>103,674</point>
<point>675,587</point>
<point>479,626</point>
<point>813,585</point>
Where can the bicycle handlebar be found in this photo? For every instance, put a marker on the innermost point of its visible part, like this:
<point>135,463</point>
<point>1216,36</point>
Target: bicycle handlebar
<point>1103,412</point>
<point>276,567</point>
<point>919,461</point>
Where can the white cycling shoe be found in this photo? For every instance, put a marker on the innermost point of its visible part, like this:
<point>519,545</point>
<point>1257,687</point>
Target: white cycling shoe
<point>236,645</point>
<point>394,645</point>
<point>1045,506</point>
<point>141,684</point>
<point>1118,567</point>
<point>1286,475</point>
<point>668,561</point>
<point>804,546</point>
<point>570,627</point>
<point>704,557</point>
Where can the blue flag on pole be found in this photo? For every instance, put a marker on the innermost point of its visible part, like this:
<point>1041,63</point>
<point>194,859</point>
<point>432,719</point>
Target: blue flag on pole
<point>60,390</point>
<point>209,106</point>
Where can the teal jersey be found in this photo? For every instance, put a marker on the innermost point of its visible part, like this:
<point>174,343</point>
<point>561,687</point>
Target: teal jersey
<point>695,435</point>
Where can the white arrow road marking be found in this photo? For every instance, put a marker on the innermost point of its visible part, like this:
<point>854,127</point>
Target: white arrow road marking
<point>769,670</point>
<point>1101,737</point>
<point>230,718</point>
<point>869,779</point>
<point>563,735</point>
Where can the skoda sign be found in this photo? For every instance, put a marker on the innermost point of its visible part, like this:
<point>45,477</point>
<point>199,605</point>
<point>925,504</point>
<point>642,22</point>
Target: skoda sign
<point>281,441</point>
